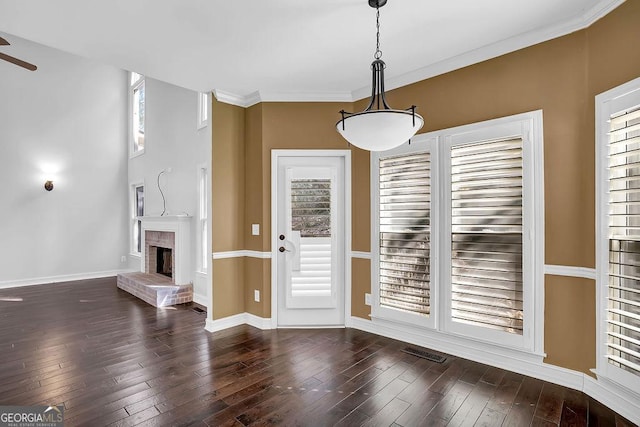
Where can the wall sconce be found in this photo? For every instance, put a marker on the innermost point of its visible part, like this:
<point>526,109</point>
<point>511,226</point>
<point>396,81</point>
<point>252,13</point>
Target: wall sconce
<point>48,185</point>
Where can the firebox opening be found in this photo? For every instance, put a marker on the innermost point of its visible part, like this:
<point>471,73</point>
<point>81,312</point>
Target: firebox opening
<point>164,261</point>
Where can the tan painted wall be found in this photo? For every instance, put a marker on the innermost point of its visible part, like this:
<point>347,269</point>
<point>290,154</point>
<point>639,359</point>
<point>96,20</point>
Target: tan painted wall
<point>228,287</point>
<point>561,77</point>
<point>228,177</point>
<point>360,284</point>
<point>228,199</point>
<point>254,180</point>
<point>550,76</point>
<point>570,322</point>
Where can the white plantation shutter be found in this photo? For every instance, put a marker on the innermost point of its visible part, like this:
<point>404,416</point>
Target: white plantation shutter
<point>404,264</point>
<point>623,308</point>
<point>311,226</point>
<point>486,235</point>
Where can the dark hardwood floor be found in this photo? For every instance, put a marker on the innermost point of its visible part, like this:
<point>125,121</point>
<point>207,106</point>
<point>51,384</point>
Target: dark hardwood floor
<point>111,359</point>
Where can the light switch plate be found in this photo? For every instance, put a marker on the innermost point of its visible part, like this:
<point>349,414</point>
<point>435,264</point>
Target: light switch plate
<point>255,229</point>
<point>367,299</point>
<point>256,295</point>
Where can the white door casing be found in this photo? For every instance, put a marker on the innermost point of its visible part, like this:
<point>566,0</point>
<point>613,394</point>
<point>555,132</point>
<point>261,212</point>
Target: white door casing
<point>310,238</point>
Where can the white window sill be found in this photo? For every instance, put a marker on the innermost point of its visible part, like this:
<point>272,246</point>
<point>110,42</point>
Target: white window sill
<point>136,154</point>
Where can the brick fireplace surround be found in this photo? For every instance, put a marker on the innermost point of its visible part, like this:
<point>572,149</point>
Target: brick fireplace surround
<point>154,288</point>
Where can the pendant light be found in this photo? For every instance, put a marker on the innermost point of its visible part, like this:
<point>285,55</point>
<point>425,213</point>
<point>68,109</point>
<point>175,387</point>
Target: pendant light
<point>379,127</point>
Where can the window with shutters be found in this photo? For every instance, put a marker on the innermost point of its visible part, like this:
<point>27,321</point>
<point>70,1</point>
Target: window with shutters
<point>618,116</point>
<point>457,249</point>
<point>486,234</point>
<point>404,189</point>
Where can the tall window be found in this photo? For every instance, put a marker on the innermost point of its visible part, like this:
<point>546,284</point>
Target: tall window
<point>203,109</point>
<point>137,97</point>
<point>452,212</point>
<point>405,197</point>
<point>619,237</point>
<point>486,234</point>
<point>203,230</point>
<point>137,212</point>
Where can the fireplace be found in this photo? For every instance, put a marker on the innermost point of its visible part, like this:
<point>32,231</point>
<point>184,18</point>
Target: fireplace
<point>159,247</point>
<point>166,272</point>
<point>164,261</point>
<point>166,248</point>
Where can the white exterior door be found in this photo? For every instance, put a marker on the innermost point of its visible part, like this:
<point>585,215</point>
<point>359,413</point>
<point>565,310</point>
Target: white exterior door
<point>310,241</point>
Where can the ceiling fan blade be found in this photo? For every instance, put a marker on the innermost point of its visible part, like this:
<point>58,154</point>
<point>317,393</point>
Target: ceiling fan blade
<point>3,42</point>
<point>18,62</point>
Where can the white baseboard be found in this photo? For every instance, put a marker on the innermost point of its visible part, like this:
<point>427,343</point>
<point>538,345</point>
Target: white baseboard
<point>510,359</point>
<point>604,391</point>
<point>236,320</point>
<point>258,322</point>
<point>62,278</point>
<point>624,403</point>
<point>201,299</point>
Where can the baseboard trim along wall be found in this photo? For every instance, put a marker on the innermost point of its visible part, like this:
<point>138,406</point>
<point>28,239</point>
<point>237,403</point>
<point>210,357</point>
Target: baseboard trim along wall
<point>604,391</point>
<point>200,299</point>
<point>237,320</point>
<point>62,278</point>
<point>627,405</point>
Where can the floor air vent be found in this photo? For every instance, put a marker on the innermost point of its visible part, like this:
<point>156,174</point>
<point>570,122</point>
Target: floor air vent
<point>199,310</point>
<point>424,354</point>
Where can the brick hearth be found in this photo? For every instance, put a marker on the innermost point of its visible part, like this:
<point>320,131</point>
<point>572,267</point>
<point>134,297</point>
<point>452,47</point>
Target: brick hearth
<point>155,289</point>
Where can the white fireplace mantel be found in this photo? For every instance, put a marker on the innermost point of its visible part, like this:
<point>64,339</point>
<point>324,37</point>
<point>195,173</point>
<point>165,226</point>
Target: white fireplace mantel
<point>181,227</point>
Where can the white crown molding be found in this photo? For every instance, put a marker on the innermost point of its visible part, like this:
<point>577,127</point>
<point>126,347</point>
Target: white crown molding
<point>494,50</point>
<point>62,278</point>
<point>265,96</point>
<point>306,96</point>
<point>599,10</point>
<point>244,101</point>
<point>570,271</point>
<point>475,56</point>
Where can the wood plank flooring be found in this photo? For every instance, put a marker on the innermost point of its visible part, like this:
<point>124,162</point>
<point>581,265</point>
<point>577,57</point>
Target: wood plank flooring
<point>112,359</point>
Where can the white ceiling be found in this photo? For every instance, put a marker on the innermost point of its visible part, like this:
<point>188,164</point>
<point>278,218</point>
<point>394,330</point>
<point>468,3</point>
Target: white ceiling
<point>291,49</point>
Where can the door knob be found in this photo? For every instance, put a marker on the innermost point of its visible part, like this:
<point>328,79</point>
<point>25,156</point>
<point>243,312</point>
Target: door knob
<point>281,249</point>
<point>281,237</point>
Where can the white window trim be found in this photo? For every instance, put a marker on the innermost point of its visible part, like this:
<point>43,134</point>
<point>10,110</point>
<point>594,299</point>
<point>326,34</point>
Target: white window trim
<point>200,269</point>
<point>203,110</point>
<point>529,127</point>
<point>131,87</point>
<point>617,99</point>
<point>133,215</point>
